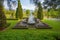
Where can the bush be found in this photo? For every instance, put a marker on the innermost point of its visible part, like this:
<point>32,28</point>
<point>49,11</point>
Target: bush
<point>11,19</point>
<point>2,15</point>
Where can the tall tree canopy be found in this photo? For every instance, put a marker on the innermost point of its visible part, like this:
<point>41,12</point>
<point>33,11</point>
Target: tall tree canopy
<point>11,3</point>
<point>51,3</point>
<point>35,2</point>
<point>48,3</point>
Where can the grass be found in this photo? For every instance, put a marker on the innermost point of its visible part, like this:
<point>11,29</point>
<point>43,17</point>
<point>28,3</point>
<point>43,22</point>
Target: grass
<point>54,24</point>
<point>31,34</point>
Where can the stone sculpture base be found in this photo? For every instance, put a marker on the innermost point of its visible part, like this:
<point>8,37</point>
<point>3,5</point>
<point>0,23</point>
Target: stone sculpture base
<point>38,25</point>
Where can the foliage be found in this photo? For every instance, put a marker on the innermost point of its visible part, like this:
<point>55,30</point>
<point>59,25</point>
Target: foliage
<point>39,8</point>
<point>58,13</point>
<point>35,12</point>
<point>10,10</point>
<point>39,12</point>
<point>19,11</point>
<point>35,2</point>
<point>2,15</point>
<point>11,19</point>
<point>27,12</point>
<point>51,3</point>
<point>11,3</point>
<point>9,13</point>
<point>52,13</point>
<point>12,13</point>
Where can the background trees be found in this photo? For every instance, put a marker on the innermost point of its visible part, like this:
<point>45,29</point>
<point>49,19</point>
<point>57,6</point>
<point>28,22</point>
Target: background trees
<point>27,12</point>
<point>51,3</point>
<point>11,5</point>
<point>58,13</point>
<point>53,7</point>
<point>19,11</point>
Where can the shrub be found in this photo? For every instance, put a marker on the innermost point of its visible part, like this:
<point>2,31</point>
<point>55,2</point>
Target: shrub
<point>2,15</point>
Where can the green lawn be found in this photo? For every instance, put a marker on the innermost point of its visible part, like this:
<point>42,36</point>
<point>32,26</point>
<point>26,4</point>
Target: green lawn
<point>31,34</point>
<point>54,24</point>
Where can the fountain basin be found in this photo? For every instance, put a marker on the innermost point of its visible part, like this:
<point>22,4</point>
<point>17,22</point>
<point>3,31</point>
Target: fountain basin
<point>37,25</point>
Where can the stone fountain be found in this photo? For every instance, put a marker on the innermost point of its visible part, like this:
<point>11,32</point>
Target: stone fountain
<point>31,22</point>
<point>31,19</point>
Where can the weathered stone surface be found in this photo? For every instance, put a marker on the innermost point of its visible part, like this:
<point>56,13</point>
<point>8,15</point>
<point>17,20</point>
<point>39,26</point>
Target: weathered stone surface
<point>23,24</point>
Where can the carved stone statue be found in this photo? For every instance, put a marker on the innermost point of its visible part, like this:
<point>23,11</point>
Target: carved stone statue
<point>31,19</point>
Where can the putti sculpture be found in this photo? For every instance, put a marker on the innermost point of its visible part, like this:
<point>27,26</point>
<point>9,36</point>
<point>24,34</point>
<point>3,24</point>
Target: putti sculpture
<point>31,19</point>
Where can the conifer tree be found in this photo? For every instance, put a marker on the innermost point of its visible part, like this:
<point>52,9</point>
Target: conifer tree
<point>19,11</point>
<point>2,15</point>
<point>39,8</point>
<point>39,12</point>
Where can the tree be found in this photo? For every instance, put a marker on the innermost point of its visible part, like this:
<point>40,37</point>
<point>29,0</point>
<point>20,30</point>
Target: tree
<point>11,4</point>
<point>2,15</point>
<point>39,8</point>
<point>19,11</point>
<point>58,13</point>
<point>52,6</point>
<point>51,3</point>
<point>35,12</point>
<point>27,12</point>
<point>39,12</point>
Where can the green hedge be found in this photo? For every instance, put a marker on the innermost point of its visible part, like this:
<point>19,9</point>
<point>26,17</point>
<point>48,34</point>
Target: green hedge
<point>11,19</point>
